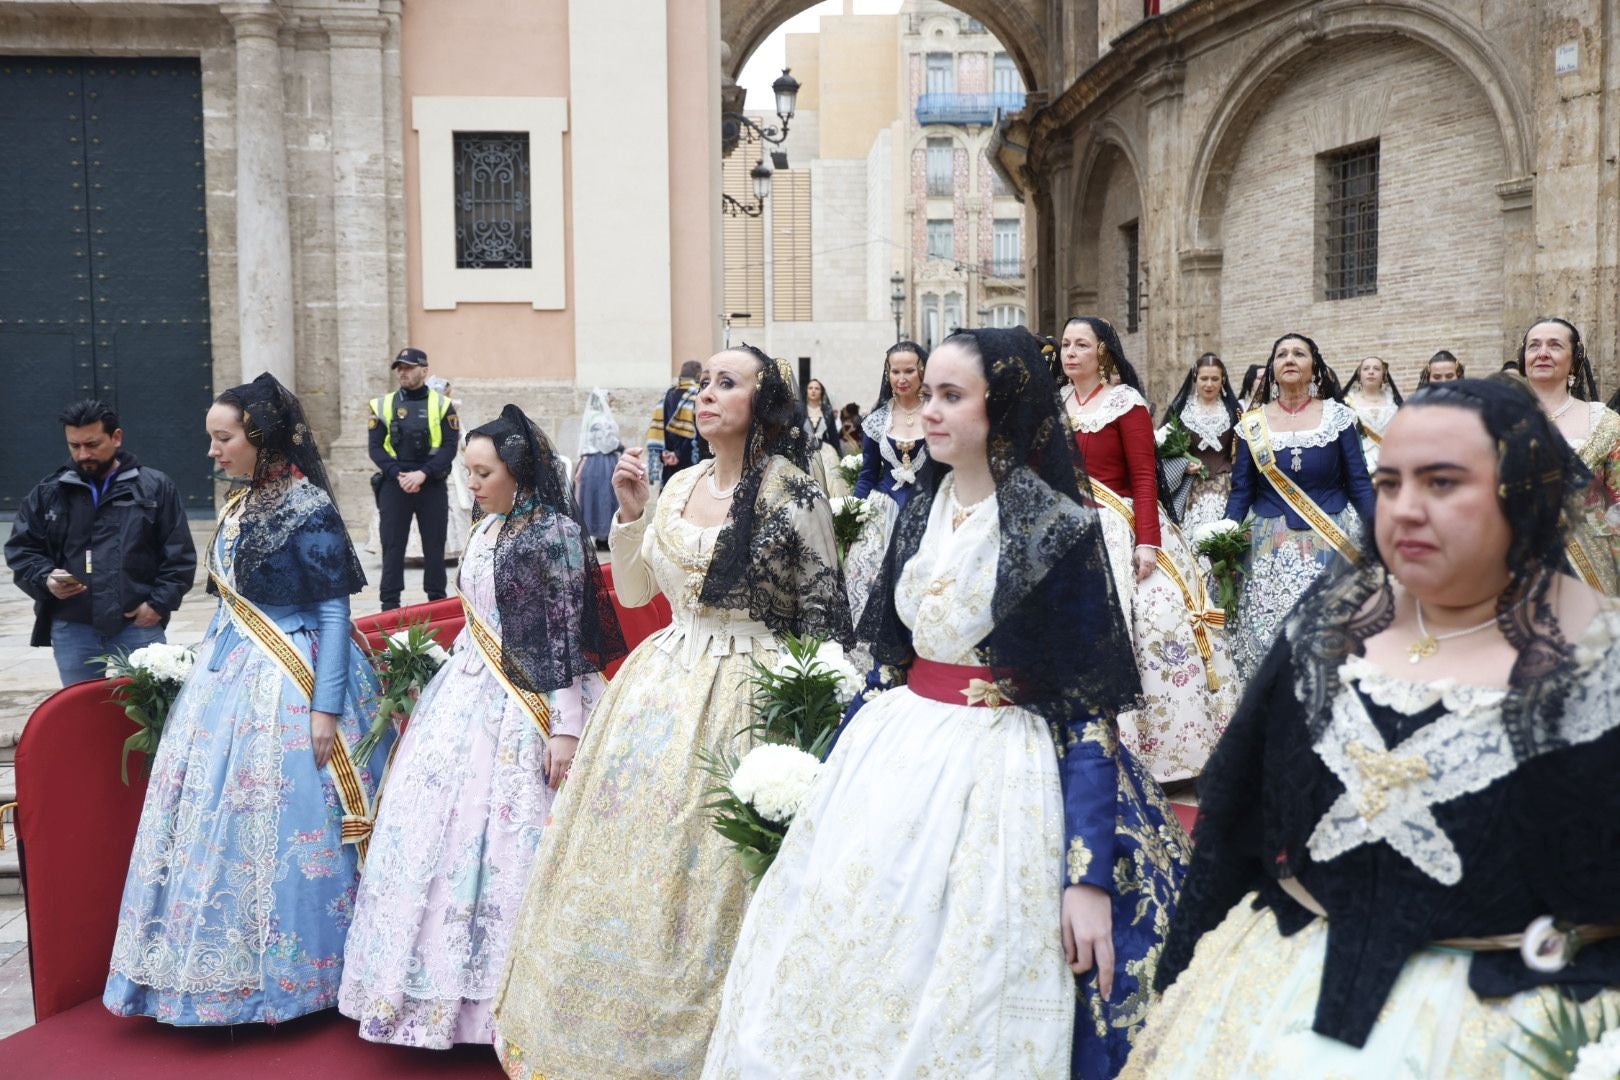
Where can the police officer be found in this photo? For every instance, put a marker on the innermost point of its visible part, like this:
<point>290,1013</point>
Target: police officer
<point>413,443</point>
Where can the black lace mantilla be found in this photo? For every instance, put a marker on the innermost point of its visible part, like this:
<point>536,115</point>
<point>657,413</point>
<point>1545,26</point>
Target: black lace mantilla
<point>557,618</point>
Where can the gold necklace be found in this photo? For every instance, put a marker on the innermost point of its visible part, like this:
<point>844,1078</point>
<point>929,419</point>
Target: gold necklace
<point>1428,644</point>
<point>960,513</point>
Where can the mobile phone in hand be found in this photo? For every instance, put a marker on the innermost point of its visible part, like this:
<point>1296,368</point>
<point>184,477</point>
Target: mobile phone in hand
<point>66,577</point>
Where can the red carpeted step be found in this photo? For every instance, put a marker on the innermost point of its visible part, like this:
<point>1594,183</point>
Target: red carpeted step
<point>87,1041</point>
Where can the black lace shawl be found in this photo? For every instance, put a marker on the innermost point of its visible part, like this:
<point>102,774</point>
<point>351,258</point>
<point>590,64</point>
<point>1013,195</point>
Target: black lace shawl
<point>762,563</point>
<point>1059,644</point>
<point>294,548</point>
<point>1540,840</point>
<point>557,618</point>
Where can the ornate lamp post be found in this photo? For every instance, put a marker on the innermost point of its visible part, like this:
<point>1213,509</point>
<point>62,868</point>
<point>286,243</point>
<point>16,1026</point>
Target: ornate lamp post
<point>897,299</point>
<point>786,89</point>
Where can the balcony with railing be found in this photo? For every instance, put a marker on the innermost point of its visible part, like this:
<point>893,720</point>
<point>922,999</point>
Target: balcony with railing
<point>965,109</point>
<point>1004,268</point>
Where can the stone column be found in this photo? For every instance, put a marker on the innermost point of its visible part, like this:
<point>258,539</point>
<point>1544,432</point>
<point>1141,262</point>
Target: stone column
<point>263,234</point>
<point>1162,89</point>
<point>360,218</point>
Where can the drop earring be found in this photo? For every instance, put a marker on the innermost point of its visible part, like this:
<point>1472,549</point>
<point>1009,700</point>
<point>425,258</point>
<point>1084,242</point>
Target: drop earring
<point>1569,380</point>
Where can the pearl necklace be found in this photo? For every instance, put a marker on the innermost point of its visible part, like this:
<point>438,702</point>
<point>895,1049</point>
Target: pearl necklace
<point>960,513</point>
<point>714,489</point>
<point>1428,644</point>
<point>1569,403</point>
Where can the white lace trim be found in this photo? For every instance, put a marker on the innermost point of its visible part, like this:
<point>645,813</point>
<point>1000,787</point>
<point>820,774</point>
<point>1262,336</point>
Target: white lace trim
<point>1390,792</point>
<point>1335,418</point>
<point>1376,413</point>
<point>1209,422</point>
<point>876,425</point>
<point>1411,697</point>
<point>1115,403</point>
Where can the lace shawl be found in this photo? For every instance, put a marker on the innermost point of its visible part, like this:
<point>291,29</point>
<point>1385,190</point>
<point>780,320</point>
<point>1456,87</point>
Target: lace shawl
<point>294,548</point>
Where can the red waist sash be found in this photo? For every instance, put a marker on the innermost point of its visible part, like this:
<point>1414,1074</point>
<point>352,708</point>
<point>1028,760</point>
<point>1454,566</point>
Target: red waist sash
<point>955,684</point>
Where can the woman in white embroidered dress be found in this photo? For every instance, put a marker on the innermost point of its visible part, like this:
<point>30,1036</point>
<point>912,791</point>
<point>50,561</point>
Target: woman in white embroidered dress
<point>1188,686</point>
<point>1412,823</point>
<point>1318,449</point>
<point>918,920</point>
<point>893,456</point>
<point>1553,358</point>
<point>470,789</point>
<point>1374,397</point>
<point>634,901</point>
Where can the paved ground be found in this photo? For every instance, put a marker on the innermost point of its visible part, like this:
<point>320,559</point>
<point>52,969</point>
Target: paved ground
<point>27,677</point>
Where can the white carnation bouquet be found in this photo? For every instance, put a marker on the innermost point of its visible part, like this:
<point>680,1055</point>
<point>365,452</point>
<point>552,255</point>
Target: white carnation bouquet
<point>405,664</point>
<point>799,699</point>
<point>850,516</point>
<point>849,467</point>
<point>1571,1047</point>
<point>156,674</point>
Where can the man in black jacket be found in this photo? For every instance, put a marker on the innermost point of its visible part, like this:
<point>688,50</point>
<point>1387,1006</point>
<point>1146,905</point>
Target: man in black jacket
<point>413,444</point>
<point>103,547</point>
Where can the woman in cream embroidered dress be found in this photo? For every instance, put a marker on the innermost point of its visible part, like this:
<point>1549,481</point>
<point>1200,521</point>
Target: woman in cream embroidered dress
<point>241,887</point>
<point>893,457</point>
<point>1208,409</point>
<point>907,928</point>
<point>1375,398</point>
<point>1187,697</point>
<point>634,902</point>
<point>1318,448</point>
<point>1425,763</point>
<point>1553,358</point>
<point>471,786</point>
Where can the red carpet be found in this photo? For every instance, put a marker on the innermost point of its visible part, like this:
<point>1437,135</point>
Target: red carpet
<point>88,1041</point>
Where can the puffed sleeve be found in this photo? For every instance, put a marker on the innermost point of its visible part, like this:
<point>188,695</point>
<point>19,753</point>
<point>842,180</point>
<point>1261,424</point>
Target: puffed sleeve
<point>1356,478</point>
<point>1141,466</point>
<point>871,467</point>
<point>633,579</point>
<point>1088,774</point>
<point>1244,478</point>
<point>332,654</point>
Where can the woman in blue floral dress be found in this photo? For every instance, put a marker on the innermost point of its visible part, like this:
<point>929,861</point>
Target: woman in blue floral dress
<point>242,882</point>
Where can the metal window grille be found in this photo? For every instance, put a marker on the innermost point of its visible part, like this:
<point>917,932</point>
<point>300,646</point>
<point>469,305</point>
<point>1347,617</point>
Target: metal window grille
<point>941,167</point>
<point>941,239</point>
<point>1133,276</point>
<point>494,229</point>
<point>1351,211</point>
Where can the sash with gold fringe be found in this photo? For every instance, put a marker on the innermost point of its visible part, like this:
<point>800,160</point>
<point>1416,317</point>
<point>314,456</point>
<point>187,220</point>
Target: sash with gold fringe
<point>1257,433</point>
<point>263,631</point>
<point>489,647</point>
<point>1202,613</point>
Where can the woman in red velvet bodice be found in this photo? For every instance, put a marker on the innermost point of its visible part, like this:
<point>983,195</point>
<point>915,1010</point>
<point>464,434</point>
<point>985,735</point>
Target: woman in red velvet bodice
<point>1188,683</point>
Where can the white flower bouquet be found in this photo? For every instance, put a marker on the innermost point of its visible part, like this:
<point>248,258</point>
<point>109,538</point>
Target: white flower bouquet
<point>1598,1060</point>
<point>1572,1048</point>
<point>850,516</point>
<point>406,663</point>
<point>799,700</point>
<point>849,467</point>
<point>156,674</point>
<point>1225,544</point>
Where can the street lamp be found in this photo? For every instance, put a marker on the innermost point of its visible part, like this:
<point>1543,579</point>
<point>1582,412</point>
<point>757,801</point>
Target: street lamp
<point>786,89</point>
<point>897,299</point>
<point>761,174</point>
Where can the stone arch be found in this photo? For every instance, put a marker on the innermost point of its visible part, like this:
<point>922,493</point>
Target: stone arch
<point>1017,24</point>
<point>1307,32</point>
<point>1111,148</point>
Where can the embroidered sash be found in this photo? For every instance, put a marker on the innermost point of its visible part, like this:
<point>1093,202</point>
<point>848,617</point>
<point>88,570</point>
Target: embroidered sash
<point>489,647</point>
<point>262,630</point>
<point>1202,613</point>
<point>1581,560</point>
<point>1257,433</point>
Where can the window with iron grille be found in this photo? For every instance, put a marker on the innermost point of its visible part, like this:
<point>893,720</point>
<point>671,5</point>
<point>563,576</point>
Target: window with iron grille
<point>1350,222</point>
<point>494,229</point>
<point>941,73</point>
<point>1132,235</point>
<point>941,167</point>
<point>941,238</point>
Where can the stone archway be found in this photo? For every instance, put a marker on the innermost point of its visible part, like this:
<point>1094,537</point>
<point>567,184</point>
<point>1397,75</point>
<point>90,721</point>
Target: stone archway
<point>1018,24</point>
<point>1109,212</point>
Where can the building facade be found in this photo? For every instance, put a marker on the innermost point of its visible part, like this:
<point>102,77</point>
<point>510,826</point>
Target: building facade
<point>306,186</point>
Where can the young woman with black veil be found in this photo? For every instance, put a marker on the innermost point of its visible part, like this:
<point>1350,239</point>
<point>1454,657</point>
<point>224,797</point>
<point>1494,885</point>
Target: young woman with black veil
<point>1188,681</point>
<point>256,821</point>
<point>1374,397</point>
<point>821,435</point>
<point>634,901</point>
<point>894,458</point>
<point>1415,807</point>
<point>1301,473</point>
<point>1208,409</point>
<point>491,740</point>
<point>1553,359</point>
<point>920,917</point>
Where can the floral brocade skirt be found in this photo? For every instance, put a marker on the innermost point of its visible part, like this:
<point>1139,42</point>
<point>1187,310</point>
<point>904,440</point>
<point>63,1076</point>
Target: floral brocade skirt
<point>1182,715</point>
<point>1245,1005</point>
<point>865,559</point>
<point>1206,503</point>
<point>1283,563</point>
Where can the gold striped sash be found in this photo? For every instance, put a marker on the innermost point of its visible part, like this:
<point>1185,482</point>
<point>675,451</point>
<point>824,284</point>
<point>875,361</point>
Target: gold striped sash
<point>489,647</point>
<point>1202,614</point>
<point>1257,433</point>
<point>262,630</point>
<point>1581,560</point>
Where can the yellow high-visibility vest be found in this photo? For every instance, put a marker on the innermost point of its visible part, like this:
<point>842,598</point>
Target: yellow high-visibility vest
<point>383,409</point>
